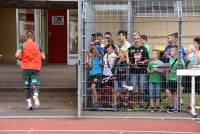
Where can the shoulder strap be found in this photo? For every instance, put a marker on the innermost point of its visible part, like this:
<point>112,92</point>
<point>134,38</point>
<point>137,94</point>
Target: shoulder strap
<point>107,61</point>
<point>173,63</point>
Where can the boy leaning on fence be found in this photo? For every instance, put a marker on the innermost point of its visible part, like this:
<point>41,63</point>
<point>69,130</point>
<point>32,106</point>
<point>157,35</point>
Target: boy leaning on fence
<point>155,78</point>
<point>93,62</point>
<point>120,72</point>
<point>172,79</point>
<point>108,67</point>
<point>139,59</point>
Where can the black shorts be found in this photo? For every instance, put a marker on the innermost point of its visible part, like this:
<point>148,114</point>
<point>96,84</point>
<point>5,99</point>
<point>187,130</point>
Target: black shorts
<point>164,83</point>
<point>172,86</point>
<point>95,79</point>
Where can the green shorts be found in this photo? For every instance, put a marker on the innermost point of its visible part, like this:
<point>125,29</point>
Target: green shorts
<point>31,77</point>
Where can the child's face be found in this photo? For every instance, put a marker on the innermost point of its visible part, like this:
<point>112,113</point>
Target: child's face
<point>173,51</point>
<point>195,45</point>
<point>154,55</point>
<point>136,40</point>
<point>169,39</point>
<point>109,49</point>
<point>142,40</point>
<point>121,37</point>
<point>106,36</point>
<point>174,40</point>
<point>121,54</point>
<point>99,38</point>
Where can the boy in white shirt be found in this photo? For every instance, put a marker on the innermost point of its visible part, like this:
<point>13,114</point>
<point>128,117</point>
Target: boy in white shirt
<point>122,36</point>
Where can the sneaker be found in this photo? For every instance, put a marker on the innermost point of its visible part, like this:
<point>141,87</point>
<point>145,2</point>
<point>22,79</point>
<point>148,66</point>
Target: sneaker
<point>171,109</point>
<point>29,108</point>
<point>130,88</point>
<point>194,114</point>
<point>36,100</point>
<point>114,107</point>
<point>152,109</point>
<point>95,106</point>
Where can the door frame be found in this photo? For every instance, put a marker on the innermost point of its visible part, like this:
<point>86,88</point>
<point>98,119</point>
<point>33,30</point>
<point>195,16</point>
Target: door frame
<point>37,27</point>
<point>70,61</point>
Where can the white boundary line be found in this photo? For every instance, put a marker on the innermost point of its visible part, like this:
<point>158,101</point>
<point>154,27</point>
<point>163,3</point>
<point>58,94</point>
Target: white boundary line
<point>97,117</point>
<point>114,131</point>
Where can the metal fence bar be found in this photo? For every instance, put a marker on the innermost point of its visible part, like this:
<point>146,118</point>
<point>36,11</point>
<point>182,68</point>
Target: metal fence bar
<point>180,19</point>
<point>80,42</point>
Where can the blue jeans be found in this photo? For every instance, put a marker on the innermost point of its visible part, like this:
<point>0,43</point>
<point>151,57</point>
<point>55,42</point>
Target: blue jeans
<point>141,79</point>
<point>118,85</point>
<point>154,90</point>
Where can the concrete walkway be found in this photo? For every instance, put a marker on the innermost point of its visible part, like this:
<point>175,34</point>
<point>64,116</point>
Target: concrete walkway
<point>54,102</point>
<point>52,76</point>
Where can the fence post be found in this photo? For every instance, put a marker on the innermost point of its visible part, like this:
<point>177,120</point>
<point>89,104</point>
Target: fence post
<point>180,19</point>
<point>130,19</point>
<point>79,106</point>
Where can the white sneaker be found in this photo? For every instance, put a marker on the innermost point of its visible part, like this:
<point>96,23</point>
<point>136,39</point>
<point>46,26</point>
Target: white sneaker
<point>197,107</point>
<point>194,114</point>
<point>130,88</point>
<point>36,100</point>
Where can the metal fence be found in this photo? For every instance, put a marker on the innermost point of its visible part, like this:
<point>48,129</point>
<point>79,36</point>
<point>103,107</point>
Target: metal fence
<point>122,78</point>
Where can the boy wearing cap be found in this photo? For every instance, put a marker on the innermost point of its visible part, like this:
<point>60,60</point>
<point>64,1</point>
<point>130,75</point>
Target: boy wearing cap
<point>93,62</point>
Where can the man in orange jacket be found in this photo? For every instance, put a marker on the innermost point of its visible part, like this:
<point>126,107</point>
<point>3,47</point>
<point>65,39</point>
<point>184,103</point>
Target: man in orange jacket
<point>31,55</point>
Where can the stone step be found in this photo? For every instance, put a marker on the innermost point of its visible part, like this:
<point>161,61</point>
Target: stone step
<point>52,76</point>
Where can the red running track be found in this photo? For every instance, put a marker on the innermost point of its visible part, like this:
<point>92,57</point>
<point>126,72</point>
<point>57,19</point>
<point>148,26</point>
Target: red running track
<point>98,126</point>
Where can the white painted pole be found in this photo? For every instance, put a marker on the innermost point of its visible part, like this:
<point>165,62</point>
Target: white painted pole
<point>192,102</point>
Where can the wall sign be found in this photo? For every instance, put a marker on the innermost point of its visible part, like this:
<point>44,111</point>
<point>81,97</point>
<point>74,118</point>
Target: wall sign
<point>58,20</point>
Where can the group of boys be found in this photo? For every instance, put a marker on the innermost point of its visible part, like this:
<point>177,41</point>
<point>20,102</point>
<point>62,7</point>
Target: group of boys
<point>131,66</point>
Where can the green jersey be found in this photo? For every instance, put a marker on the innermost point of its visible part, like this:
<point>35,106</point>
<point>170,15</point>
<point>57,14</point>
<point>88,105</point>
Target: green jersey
<point>148,49</point>
<point>154,76</point>
<point>20,47</point>
<point>174,66</point>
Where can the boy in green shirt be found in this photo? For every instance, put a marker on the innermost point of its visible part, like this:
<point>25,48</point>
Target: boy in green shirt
<point>172,79</point>
<point>155,78</point>
<point>145,44</point>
